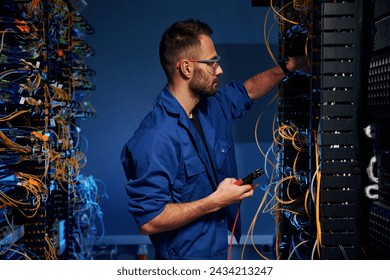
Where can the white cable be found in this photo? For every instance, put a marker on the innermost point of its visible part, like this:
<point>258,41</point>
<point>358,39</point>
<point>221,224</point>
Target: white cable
<point>314,249</point>
<point>369,131</point>
<point>312,184</point>
<point>296,247</point>
<point>370,170</point>
<point>371,191</point>
<point>266,160</point>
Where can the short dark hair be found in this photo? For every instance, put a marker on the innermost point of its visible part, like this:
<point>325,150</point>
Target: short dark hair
<point>179,40</point>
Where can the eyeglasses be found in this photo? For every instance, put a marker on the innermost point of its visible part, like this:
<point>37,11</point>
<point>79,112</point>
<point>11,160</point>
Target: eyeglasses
<point>213,63</point>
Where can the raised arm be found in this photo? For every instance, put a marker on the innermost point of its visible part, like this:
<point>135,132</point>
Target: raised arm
<point>262,83</point>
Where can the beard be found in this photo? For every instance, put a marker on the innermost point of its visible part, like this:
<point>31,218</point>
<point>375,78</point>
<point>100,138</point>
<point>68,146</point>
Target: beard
<point>203,84</point>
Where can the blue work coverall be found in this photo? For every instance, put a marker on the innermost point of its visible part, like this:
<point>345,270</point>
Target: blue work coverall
<point>166,162</point>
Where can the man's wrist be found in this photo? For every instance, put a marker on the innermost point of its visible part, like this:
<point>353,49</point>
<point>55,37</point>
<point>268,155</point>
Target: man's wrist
<point>283,65</point>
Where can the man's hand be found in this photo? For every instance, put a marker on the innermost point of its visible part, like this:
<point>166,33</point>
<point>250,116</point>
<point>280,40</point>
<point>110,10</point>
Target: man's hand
<point>228,193</point>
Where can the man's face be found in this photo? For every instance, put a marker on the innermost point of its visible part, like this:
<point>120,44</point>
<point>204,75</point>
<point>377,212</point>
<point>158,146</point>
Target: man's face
<point>203,83</point>
<point>205,76</point>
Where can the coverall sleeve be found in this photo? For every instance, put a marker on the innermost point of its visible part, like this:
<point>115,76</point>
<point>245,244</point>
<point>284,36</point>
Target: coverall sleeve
<point>234,100</point>
<point>150,162</point>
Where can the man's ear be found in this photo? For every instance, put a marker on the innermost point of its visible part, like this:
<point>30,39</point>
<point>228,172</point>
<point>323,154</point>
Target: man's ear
<point>186,69</point>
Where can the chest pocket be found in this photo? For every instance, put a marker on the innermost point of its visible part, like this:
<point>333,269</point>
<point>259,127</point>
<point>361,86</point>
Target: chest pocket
<point>193,165</point>
<point>222,151</point>
<point>196,184</point>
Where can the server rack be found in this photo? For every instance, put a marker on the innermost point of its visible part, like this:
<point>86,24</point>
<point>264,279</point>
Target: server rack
<point>378,100</point>
<point>48,209</point>
<point>322,211</point>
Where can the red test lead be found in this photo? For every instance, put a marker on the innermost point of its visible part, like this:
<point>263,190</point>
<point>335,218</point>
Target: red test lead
<point>246,180</point>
